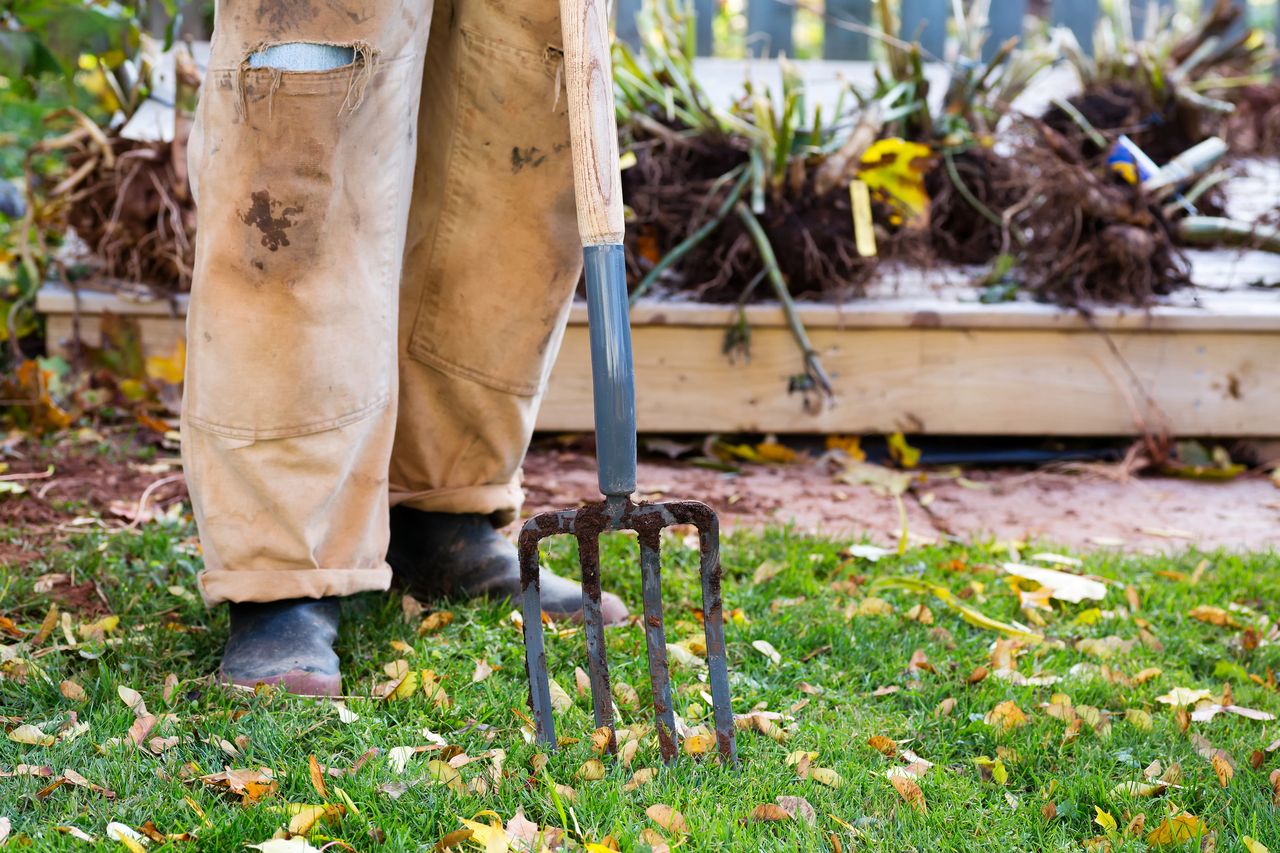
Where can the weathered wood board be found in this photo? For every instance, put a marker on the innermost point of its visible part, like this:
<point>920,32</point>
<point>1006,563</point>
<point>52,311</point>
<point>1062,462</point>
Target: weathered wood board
<point>917,363</point>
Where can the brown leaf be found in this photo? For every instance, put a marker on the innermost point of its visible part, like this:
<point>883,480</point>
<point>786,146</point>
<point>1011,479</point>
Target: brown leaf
<point>1223,769</point>
<point>141,730</point>
<point>435,622</point>
<point>170,687</point>
<point>317,777</point>
<point>1049,810</point>
<point>800,808</point>
<point>883,745</point>
<point>644,774</point>
<point>769,812</point>
<point>668,818</point>
<point>945,707</point>
<point>72,691</point>
<point>1006,715</point>
<point>910,791</point>
<point>979,673</point>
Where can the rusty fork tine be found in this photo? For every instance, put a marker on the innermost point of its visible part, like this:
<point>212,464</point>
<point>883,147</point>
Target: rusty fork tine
<point>656,640</point>
<point>535,656</point>
<point>713,627</point>
<point>593,626</point>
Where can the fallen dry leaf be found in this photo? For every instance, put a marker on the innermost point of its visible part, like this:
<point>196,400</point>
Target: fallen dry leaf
<point>668,818</point>
<point>31,735</point>
<point>72,691</point>
<point>435,622</point>
<point>825,776</point>
<point>883,745</point>
<point>769,812</point>
<point>483,671</point>
<point>1175,830</point>
<point>910,791</point>
<point>1222,769</point>
<point>641,776</point>
<point>1006,716</point>
<point>800,808</point>
<point>766,648</point>
<point>591,771</point>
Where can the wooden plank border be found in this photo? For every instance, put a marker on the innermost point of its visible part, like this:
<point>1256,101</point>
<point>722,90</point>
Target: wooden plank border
<point>919,365</point>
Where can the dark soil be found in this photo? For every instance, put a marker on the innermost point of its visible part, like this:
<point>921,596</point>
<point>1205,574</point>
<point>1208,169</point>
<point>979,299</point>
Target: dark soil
<point>88,479</point>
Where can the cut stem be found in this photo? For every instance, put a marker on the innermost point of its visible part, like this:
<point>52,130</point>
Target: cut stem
<point>812,361</point>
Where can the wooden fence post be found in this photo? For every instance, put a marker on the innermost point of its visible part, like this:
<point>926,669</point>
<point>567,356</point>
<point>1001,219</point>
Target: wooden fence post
<point>625,21</point>
<point>839,42</point>
<point>926,20</point>
<point>705,11</point>
<point>1080,16</point>
<point>1006,18</point>
<point>769,27</point>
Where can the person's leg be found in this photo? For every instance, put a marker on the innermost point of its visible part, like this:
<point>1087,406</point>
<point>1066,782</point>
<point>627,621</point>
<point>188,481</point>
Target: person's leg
<point>300,161</point>
<point>491,262</point>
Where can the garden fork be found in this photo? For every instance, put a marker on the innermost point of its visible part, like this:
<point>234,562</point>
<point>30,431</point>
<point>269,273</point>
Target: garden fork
<point>598,188</point>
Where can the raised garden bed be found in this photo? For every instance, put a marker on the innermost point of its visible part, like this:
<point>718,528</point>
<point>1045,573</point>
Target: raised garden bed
<point>926,357</point>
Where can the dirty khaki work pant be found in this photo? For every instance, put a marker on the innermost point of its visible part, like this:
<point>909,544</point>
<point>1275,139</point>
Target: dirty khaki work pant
<point>386,256</point>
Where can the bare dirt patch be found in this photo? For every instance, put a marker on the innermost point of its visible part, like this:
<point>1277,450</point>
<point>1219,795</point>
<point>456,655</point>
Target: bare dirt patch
<point>1084,510</point>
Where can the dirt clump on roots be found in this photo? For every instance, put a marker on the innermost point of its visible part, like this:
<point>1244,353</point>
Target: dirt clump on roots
<point>1092,237</point>
<point>960,230</point>
<point>677,184</point>
<point>136,214</point>
<point>1254,128</point>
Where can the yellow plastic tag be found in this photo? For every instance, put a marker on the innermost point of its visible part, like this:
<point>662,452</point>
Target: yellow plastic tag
<point>864,230</point>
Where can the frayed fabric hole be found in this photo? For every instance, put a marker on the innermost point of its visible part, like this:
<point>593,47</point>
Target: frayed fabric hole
<point>279,59</point>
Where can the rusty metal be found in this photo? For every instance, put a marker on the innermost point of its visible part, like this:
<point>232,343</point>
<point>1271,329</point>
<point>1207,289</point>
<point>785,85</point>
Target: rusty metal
<point>647,520</point>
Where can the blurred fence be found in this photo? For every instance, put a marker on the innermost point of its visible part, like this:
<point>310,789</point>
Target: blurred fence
<point>771,24</point>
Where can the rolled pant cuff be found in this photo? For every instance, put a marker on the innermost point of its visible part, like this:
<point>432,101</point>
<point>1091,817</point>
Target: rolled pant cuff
<point>500,500</point>
<point>218,586</point>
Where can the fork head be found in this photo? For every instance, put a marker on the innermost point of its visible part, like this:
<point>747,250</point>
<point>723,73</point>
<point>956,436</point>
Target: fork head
<point>647,520</point>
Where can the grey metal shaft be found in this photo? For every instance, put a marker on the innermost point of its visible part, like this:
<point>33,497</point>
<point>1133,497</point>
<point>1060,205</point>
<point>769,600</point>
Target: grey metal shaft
<point>612,369</point>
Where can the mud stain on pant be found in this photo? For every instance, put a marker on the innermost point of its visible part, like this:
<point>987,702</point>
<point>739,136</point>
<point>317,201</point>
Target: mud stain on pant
<point>260,215</point>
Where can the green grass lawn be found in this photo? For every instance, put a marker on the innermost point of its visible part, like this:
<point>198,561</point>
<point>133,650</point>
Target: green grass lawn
<point>842,676</point>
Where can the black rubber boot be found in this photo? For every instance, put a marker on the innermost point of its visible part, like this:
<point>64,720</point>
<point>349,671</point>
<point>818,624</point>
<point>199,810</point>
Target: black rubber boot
<point>287,643</point>
<point>460,555</point>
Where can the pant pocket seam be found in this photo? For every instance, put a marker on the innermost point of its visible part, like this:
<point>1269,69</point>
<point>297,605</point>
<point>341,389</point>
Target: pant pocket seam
<point>228,431</point>
<point>427,356</point>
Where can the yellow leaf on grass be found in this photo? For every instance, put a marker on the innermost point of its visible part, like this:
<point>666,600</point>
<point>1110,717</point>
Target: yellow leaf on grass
<point>1147,674</point>
<point>29,734</point>
<point>1253,845</point>
<point>591,771</point>
<point>1139,719</point>
<point>1105,820</point>
<point>909,790</point>
<point>1007,715</point>
<point>490,837</point>
<point>1213,616</point>
<point>698,743</point>
<point>1180,697</point>
<point>1176,829</point>
<point>872,606</point>
<point>407,687</point>
<point>668,818</point>
<point>825,776</point>
<point>992,770</point>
